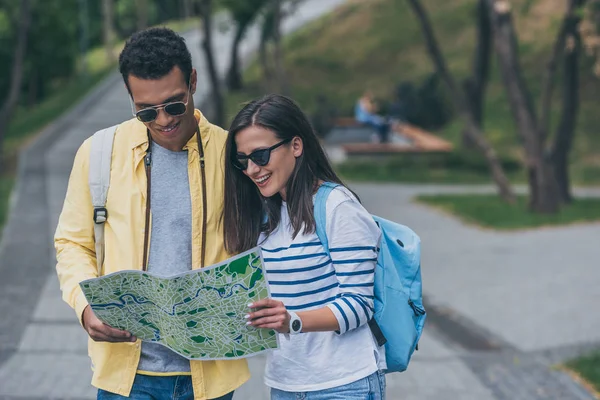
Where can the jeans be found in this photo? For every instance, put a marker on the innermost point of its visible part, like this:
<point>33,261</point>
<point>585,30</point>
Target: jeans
<point>147,387</point>
<point>383,129</point>
<point>370,388</point>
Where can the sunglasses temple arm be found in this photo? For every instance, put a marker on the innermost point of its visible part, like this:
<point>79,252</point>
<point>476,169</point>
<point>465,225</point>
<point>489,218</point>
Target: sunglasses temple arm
<point>132,108</point>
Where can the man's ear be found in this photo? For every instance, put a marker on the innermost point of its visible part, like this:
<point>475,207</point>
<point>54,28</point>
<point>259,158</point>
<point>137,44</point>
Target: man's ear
<point>297,146</point>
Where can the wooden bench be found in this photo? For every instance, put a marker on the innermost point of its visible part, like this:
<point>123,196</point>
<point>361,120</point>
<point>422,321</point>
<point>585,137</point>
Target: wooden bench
<point>420,140</point>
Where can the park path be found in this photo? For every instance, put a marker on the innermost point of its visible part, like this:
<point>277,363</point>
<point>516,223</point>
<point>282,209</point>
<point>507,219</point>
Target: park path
<point>504,306</point>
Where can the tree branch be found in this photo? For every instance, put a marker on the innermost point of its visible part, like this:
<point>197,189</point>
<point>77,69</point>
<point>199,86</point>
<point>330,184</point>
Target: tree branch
<point>432,46</point>
<point>551,68</point>
<point>472,128</point>
<point>16,76</point>
<point>570,103</point>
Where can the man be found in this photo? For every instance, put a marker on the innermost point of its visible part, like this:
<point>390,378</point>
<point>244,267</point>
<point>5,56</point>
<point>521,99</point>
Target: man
<point>183,229</point>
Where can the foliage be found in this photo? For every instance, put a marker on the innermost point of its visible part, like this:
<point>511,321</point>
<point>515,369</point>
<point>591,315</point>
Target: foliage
<point>426,105</point>
<point>5,188</point>
<point>590,32</point>
<point>377,44</point>
<point>127,16</point>
<point>57,39</point>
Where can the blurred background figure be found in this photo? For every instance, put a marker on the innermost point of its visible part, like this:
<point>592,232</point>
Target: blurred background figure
<point>366,112</point>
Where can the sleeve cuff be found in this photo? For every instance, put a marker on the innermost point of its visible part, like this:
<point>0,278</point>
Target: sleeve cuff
<point>340,318</point>
<point>80,304</point>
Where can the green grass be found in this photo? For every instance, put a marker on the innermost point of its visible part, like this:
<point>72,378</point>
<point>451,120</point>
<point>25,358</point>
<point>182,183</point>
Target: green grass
<point>588,367</point>
<point>5,188</point>
<point>377,44</point>
<point>490,211</point>
<point>455,167</point>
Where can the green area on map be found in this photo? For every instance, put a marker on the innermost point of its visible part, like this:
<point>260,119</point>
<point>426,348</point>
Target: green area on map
<point>198,314</point>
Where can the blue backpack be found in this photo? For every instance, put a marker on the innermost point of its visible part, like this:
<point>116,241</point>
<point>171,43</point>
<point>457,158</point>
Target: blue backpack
<point>399,313</point>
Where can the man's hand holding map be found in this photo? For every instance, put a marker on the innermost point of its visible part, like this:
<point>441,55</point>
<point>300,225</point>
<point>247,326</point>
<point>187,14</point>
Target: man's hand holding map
<point>198,314</point>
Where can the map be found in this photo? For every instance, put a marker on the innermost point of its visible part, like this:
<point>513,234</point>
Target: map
<point>198,314</point>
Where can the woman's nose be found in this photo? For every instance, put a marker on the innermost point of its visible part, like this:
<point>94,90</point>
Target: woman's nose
<point>252,168</point>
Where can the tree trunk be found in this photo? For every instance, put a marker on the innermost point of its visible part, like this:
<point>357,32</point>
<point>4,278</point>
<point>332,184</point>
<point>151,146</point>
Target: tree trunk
<point>32,90</point>
<point>472,128</point>
<point>142,14</point>
<point>16,77</point>
<point>217,96</point>
<point>234,75</point>
<point>187,9</point>
<point>551,68</point>
<point>282,82</point>
<point>570,102</point>
<point>542,183</point>
<point>108,29</point>
<point>475,86</point>
<point>263,52</point>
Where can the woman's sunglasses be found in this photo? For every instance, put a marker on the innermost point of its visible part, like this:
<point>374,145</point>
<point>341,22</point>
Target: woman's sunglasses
<point>259,157</point>
<point>175,109</point>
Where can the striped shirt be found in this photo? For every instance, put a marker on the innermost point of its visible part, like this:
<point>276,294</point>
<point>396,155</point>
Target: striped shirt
<point>304,277</point>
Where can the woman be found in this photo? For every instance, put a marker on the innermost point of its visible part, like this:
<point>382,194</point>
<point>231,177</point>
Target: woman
<point>320,304</point>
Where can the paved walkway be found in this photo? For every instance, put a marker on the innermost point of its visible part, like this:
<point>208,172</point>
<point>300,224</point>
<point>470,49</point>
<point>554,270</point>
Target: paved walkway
<point>503,306</point>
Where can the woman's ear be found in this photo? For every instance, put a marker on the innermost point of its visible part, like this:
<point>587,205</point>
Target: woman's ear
<point>297,146</point>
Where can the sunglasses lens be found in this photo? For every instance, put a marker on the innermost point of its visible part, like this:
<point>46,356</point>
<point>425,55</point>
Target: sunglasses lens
<point>147,115</point>
<point>177,108</point>
<point>240,163</point>
<point>261,157</point>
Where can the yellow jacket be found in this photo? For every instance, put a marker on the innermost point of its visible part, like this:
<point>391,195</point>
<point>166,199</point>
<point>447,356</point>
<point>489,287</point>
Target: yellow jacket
<point>115,364</point>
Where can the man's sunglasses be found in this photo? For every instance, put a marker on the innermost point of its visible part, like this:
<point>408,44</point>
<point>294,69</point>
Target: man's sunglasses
<point>175,108</point>
<point>259,157</point>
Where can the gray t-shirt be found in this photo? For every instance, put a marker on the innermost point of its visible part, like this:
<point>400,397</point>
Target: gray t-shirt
<point>170,240</point>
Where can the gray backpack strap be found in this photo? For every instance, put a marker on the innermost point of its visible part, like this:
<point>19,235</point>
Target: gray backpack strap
<point>99,180</point>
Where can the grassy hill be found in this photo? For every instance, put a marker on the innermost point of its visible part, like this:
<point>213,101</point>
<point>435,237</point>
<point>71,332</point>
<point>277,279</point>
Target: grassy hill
<point>377,44</point>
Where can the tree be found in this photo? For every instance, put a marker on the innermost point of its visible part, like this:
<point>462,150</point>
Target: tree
<point>266,35</point>
<point>243,12</point>
<point>141,7</point>
<point>570,105</point>
<point>108,28</point>
<point>12,98</point>
<point>472,129</point>
<point>205,12</point>
<point>278,16</point>
<point>187,7</point>
<point>276,11</point>
<point>590,32</point>
<point>545,196</point>
<point>475,86</point>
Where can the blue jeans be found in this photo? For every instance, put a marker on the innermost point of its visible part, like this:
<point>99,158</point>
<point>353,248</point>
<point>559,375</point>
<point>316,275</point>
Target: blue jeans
<point>147,387</point>
<point>370,388</point>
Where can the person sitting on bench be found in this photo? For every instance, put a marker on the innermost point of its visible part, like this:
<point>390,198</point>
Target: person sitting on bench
<point>365,112</point>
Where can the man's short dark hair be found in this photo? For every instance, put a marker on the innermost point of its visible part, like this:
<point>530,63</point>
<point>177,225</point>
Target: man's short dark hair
<point>152,54</point>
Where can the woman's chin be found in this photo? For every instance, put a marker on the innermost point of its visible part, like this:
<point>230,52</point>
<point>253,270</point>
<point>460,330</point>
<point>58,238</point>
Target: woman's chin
<point>268,191</point>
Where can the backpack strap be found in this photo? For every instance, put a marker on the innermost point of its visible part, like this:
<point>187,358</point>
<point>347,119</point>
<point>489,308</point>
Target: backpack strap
<point>320,212</point>
<point>99,180</point>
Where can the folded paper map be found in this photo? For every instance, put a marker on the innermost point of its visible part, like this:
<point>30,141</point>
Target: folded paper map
<point>198,314</point>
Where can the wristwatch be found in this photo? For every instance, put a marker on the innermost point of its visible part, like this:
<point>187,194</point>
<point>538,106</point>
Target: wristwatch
<point>295,323</point>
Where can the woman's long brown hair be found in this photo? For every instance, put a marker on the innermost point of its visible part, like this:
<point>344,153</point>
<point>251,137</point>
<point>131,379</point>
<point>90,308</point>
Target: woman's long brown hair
<point>246,212</point>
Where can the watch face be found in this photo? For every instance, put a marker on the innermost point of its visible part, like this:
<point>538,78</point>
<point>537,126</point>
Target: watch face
<point>296,325</point>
